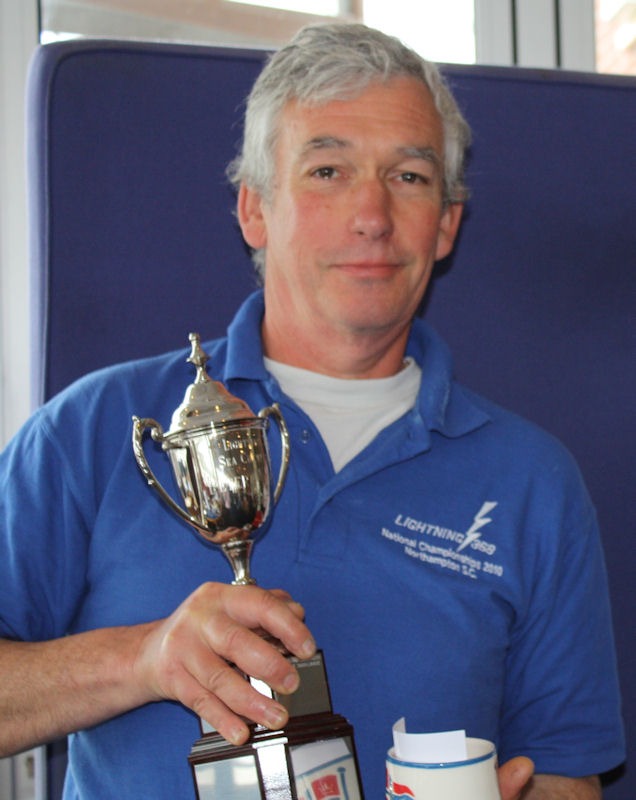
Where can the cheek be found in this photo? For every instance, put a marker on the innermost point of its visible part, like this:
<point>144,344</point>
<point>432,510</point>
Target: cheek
<point>310,206</point>
<point>309,223</point>
<point>423,231</point>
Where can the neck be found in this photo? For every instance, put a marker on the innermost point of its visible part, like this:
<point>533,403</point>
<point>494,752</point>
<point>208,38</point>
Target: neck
<point>340,354</point>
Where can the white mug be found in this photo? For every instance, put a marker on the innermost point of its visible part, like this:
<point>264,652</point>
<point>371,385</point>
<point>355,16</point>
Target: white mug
<point>472,779</point>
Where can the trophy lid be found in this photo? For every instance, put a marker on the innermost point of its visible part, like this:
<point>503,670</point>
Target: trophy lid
<point>206,402</point>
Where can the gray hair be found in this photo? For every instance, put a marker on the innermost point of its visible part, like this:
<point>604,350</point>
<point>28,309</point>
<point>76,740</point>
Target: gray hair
<point>338,61</point>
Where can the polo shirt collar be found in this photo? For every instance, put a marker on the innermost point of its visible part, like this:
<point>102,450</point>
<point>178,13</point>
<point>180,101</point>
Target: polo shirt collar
<point>244,347</point>
<point>442,405</point>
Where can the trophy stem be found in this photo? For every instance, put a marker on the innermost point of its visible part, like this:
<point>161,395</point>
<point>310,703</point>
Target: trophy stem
<point>238,554</point>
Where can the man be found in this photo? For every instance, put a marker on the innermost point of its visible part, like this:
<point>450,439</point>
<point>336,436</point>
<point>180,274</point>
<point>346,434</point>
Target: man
<point>444,552</point>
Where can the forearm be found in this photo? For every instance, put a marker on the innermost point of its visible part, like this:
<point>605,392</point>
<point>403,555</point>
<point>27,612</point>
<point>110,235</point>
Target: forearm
<point>555,787</point>
<point>49,689</point>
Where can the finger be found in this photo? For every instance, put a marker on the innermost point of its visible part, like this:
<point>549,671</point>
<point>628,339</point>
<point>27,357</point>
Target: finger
<point>293,605</point>
<point>251,653</point>
<point>258,608</point>
<point>221,696</point>
<point>217,693</point>
<point>281,593</point>
<point>189,691</point>
<point>221,719</point>
<point>513,776</point>
<point>274,642</point>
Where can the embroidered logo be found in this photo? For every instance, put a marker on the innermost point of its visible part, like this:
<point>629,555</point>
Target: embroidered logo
<point>480,519</point>
<point>467,554</point>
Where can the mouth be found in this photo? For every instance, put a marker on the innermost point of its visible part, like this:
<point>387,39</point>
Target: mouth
<point>369,269</point>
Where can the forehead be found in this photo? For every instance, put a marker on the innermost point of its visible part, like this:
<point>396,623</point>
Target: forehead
<point>398,112</point>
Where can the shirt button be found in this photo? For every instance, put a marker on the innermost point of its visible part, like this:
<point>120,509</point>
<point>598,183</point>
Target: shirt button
<point>305,435</point>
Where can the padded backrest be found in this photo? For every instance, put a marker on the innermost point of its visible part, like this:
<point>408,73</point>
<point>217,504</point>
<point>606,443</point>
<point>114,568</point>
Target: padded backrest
<point>134,245</point>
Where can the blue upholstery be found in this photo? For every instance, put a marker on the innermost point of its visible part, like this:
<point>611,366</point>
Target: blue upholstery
<point>134,245</point>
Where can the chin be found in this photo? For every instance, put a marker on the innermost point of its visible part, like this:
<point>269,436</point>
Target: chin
<point>379,307</point>
<point>364,319</point>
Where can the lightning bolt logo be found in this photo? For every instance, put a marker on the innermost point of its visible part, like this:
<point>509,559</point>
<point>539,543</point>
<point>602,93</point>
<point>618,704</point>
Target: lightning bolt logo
<point>480,519</point>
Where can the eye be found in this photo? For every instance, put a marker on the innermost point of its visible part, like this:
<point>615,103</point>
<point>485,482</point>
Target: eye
<point>413,178</point>
<point>324,172</point>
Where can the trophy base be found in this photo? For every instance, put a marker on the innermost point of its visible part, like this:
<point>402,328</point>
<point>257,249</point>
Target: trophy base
<point>312,758</point>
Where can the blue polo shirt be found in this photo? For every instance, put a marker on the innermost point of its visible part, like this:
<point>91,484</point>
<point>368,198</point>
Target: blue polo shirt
<point>451,572</point>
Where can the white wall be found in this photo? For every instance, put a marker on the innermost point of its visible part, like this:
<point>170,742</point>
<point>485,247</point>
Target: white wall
<point>18,36</point>
<point>20,777</point>
<point>537,37</point>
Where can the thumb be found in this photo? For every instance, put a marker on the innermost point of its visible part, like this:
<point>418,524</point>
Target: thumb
<point>513,776</point>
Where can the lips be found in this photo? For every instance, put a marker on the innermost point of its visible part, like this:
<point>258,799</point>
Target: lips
<point>369,269</point>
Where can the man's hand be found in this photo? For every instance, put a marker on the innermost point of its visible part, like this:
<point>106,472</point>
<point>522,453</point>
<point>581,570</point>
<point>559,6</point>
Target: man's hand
<point>513,776</point>
<point>49,689</point>
<point>517,782</point>
<point>185,656</point>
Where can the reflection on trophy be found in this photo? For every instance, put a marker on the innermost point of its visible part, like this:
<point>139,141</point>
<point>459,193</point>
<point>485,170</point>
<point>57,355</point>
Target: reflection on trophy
<point>220,460</point>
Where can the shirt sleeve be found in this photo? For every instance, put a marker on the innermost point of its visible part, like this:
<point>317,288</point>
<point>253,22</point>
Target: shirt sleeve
<point>44,534</point>
<point>561,698</point>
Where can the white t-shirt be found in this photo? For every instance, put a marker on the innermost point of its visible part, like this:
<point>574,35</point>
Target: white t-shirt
<point>349,413</point>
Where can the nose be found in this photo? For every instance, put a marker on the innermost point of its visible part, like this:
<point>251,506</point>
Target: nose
<point>371,210</point>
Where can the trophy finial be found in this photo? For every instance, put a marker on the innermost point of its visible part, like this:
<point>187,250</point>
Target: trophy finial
<point>199,358</point>
<point>206,401</point>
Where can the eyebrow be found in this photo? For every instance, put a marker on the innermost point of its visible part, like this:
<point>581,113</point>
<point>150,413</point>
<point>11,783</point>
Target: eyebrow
<point>423,153</point>
<point>334,143</point>
<point>325,143</point>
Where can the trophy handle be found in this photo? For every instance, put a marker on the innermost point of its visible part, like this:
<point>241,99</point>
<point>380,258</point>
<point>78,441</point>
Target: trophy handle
<point>156,431</point>
<point>274,411</point>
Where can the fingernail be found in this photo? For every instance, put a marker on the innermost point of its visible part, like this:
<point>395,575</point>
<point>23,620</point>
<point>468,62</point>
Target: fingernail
<point>275,717</point>
<point>291,682</point>
<point>299,609</point>
<point>308,648</point>
<point>235,736</point>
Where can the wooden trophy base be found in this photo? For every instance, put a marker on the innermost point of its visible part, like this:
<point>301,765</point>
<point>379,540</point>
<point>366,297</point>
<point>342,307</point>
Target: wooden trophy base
<point>312,758</point>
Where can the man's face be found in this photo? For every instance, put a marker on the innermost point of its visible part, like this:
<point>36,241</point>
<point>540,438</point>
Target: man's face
<point>355,221</point>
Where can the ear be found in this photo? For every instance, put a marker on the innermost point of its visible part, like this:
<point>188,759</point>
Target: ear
<point>250,217</point>
<point>448,227</point>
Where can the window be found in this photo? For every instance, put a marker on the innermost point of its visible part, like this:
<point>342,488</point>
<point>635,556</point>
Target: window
<point>440,31</point>
<point>616,36</point>
<point>574,34</point>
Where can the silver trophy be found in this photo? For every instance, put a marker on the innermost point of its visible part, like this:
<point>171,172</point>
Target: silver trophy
<point>219,455</point>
